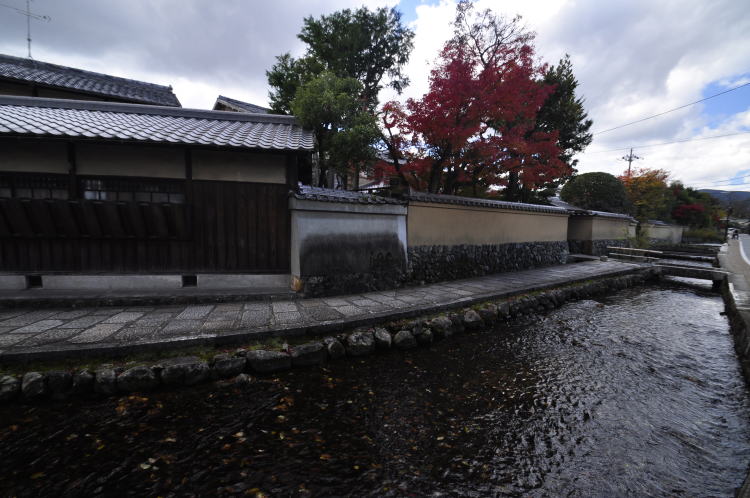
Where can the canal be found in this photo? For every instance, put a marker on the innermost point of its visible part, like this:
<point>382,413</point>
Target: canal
<point>639,393</point>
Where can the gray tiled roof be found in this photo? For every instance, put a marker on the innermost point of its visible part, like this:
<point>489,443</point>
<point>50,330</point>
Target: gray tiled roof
<point>104,85</point>
<point>31,116</point>
<point>576,211</point>
<point>331,195</point>
<point>607,214</point>
<point>487,203</point>
<point>241,106</point>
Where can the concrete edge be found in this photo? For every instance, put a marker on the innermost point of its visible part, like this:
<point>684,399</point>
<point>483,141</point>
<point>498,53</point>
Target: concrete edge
<point>739,321</point>
<point>140,299</point>
<point>238,336</point>
<point>742,253</point>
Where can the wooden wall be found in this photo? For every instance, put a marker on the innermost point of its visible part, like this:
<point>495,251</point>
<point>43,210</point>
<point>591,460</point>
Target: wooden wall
<point>223,227</point>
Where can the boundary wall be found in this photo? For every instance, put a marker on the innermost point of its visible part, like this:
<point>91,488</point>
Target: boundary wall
<point>591,232</point>
<point>452,237</point>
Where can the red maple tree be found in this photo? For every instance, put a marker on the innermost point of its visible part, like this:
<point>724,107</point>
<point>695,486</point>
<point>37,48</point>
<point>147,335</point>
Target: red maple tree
<point>475,126</point>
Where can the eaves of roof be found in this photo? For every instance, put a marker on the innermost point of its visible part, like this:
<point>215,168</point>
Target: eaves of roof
<point>485,203</point>
<point>241,106</point>
<point>309,193</point>
<point>39,117</point>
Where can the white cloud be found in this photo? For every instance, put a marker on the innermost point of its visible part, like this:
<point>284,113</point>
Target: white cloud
<point>209,47</point>
<point>632,59</point>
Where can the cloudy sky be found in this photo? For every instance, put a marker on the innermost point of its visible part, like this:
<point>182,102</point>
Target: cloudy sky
<point>633,59</point>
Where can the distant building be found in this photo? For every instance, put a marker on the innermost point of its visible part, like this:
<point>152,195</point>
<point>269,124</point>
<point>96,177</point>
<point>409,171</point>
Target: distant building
<point>32,78</point>
<point>233,105</point>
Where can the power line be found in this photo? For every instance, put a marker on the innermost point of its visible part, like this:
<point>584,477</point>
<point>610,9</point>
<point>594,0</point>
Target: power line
<point>670,143</point>
<point>672,110</point>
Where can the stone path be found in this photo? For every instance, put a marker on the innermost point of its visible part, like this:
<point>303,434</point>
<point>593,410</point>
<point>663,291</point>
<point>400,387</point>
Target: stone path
<point>28,334</point>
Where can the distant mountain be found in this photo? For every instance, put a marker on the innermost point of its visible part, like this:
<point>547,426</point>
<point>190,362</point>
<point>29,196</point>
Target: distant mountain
<point>725,196</point>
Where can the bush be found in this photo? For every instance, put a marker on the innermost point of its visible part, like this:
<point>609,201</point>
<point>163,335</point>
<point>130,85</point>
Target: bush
<point>597,191</point>
<point>702,235</point>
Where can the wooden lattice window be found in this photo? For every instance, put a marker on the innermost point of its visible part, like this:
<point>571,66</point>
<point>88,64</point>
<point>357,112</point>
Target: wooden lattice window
<point>132,189</point>
<point>33,186</point>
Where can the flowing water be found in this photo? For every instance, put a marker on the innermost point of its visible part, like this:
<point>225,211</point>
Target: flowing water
<point>637,394</point>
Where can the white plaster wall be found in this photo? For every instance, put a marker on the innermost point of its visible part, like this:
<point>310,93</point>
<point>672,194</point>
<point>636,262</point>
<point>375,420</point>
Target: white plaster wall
<point>312,219</point>
<point>35,157</point>
<point>609,228</point>
<point>239,166</point>
<point>449,225</point>
<point>130,160</point>
<point>667,233</point>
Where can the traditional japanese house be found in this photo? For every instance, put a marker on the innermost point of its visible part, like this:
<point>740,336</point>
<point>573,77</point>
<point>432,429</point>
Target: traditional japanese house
<point>226,104</point>
<point>32,78</point>
<point>111,193</point>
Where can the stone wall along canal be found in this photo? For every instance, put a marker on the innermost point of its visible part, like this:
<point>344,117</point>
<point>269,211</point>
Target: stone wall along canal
<point>636,394</point>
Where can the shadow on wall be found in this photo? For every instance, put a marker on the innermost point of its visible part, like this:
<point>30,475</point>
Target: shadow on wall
<point>344,263</point>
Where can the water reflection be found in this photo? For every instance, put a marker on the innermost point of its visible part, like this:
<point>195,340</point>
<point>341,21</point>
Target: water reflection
<point>639,394</point>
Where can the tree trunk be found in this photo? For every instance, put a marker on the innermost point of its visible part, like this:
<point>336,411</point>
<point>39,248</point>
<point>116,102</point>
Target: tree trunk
<point>512,190</point>
<point>436,175</point>
<point>355,182</point>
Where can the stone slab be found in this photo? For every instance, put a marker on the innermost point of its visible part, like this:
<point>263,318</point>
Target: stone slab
<point>125,330</point>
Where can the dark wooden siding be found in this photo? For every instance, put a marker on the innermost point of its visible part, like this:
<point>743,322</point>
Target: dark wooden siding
<point>224,227</point>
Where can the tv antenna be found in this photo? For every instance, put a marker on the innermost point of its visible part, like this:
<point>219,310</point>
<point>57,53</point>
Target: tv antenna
<point>29,16</point>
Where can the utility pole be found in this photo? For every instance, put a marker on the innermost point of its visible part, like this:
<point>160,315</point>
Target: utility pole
<point>630,158</point>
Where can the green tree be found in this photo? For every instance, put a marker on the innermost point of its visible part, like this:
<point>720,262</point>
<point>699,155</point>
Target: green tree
<point>344,131</point>
<point>597,191</point>
<point>286,76</point>
<point>564,112</point>
<point>361,44</point>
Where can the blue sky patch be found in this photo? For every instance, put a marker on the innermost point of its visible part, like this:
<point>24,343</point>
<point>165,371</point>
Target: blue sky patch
<point>719,109</point>
<point>409,8</point>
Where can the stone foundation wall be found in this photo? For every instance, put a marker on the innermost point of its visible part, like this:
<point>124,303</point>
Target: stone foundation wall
<point>437,263</point>
<point>352,283</point>
<point>595,247</point>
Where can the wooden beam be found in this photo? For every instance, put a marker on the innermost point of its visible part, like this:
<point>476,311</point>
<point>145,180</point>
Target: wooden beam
<point>72,172</point>
<point>188,175</point>
<point>292,172</point>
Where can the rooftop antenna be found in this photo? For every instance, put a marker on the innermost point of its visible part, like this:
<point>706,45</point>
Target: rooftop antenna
<point>29,16</point>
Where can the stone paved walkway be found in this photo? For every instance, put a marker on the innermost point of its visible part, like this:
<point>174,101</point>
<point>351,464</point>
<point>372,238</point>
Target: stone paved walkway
<point>27,334</point>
